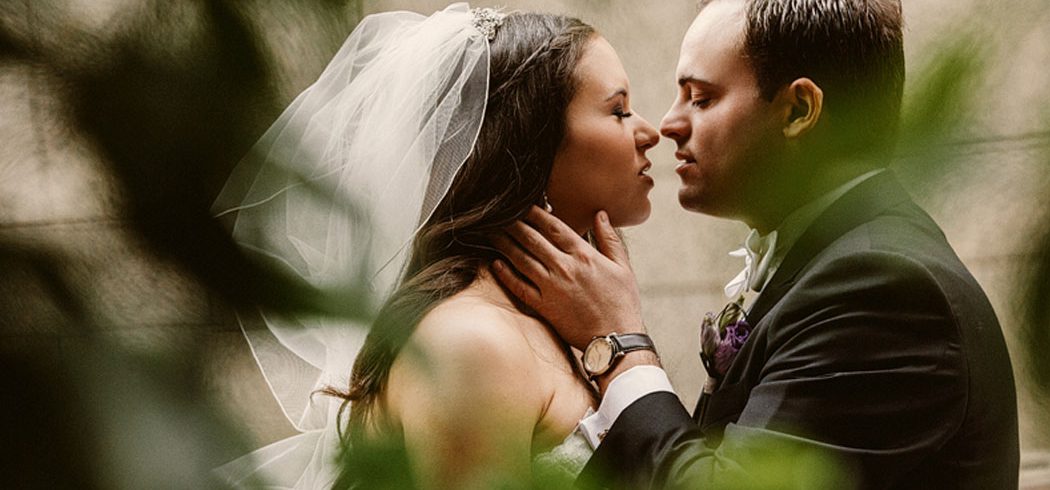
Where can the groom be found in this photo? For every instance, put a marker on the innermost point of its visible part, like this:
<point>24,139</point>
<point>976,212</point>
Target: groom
<point>869,343</point>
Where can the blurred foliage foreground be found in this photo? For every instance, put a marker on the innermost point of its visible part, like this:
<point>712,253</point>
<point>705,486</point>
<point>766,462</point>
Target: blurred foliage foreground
<point>170,95</point>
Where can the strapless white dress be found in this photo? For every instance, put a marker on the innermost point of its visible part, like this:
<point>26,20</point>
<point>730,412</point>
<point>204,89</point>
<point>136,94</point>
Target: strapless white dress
<point>301,462</point>
<point>565,461</point>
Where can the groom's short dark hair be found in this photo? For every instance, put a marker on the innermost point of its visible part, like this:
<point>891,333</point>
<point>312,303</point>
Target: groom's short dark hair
<point>852,49</point>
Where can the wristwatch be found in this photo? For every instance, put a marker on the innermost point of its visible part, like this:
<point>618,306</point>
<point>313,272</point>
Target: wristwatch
<point>603,352</point>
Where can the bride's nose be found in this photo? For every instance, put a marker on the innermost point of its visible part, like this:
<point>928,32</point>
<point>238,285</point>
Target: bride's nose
<point>645,136</point>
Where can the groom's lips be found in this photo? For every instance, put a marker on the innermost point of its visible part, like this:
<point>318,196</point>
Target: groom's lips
<point>686,162</point>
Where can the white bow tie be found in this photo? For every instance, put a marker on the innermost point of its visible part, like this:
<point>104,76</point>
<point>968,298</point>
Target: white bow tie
<point>757,253</point>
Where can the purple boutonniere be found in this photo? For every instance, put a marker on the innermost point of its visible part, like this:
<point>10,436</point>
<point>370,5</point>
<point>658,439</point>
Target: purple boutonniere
<point>721,338</point>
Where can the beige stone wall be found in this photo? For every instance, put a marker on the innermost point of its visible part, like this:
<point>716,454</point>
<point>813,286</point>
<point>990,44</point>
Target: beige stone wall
<point>56,194</point>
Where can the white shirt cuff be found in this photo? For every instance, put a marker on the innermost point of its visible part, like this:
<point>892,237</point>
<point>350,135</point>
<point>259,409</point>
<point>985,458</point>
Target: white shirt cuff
<point>624,390</point>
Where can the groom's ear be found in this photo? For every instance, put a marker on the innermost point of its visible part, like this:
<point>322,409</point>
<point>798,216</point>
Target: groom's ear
<point>803,105</point>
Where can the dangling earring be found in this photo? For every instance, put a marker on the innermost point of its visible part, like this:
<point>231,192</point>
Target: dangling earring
<point>547,204</point>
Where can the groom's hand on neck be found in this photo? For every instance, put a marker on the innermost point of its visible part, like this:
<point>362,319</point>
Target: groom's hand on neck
<point>581,291</point>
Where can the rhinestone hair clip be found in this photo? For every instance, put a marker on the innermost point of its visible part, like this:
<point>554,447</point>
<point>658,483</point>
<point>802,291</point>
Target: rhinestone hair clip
<point>487,20</point>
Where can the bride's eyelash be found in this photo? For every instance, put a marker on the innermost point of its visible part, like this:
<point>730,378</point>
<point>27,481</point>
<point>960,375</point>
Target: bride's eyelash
<point>618,112</point>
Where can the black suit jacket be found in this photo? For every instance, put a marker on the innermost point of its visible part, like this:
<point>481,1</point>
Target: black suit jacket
<point>873,347</point>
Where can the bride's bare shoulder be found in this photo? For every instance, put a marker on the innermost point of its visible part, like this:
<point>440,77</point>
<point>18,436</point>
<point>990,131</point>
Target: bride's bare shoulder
<point>464,353</point>
<point>467,325</point>
<point>482,320</point>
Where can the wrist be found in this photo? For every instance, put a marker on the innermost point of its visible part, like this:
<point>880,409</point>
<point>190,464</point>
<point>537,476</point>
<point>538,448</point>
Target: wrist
<point>628,361</point>
<point>624,326</point>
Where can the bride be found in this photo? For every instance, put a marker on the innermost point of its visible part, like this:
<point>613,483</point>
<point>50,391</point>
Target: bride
<point>432,134</point>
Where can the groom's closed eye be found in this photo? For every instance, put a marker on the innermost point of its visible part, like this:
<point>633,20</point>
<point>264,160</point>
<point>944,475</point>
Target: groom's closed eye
<point>701,101</point>
<point>700,92</point>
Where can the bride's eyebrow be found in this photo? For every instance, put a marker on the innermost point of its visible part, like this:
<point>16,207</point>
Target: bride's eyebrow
<point>690,80</point>
<point>616,94</point>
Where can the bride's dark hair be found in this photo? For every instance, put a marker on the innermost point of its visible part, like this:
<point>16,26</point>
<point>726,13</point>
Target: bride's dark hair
<point>531,82</point>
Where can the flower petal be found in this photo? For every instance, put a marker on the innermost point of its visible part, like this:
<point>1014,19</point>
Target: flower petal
<point>709,339</point>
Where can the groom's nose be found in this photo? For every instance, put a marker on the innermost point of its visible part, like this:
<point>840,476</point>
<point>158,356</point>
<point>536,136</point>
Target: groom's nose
<point>675,125</point>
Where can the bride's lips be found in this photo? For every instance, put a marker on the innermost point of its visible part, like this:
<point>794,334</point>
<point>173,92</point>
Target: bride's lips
<point>643,175</point>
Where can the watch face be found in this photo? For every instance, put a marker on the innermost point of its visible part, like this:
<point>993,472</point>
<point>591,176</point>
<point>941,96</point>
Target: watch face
<point>598,356</point>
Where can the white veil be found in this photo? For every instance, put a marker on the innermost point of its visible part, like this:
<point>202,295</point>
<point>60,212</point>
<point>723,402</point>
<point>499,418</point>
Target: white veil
<point>334,191</point>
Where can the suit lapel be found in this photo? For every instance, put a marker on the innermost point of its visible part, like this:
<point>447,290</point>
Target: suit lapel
<point>861,204</point>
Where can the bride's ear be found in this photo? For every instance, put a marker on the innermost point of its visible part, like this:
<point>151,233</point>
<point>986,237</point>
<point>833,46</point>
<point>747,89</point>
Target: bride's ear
<point>803,105</point>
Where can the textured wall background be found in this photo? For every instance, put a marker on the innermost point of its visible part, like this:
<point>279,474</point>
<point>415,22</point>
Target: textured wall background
<point>57,195</point>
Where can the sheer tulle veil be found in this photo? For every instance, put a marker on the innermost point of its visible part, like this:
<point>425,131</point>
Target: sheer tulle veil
<point>334,191</point>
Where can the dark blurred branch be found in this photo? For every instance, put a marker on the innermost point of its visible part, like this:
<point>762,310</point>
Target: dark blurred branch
<point>939,106</point>
<point>968,146</point>
<point>1036,330</point>
<point>172,119</point>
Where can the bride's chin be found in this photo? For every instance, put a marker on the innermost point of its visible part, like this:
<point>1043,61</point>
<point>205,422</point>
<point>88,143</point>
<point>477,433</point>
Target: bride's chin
<point>582,222</point>
<point>637,217</point>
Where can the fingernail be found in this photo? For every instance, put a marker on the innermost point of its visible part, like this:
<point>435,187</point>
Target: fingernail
<point>603,216</point>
